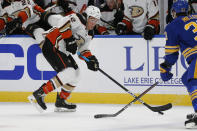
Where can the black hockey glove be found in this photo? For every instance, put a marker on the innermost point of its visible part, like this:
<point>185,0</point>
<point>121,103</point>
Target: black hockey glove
<point>121,28</point>
<point>118,17</point>
<point>92,63</point>
<point>149,32</point>
<point>165,73</point>
<point>13,25</point>
<point>71,45</point>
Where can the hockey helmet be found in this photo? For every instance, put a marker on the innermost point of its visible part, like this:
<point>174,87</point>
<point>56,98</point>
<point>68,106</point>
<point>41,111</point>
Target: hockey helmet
<point>93,11</point>
<point>180,6</point>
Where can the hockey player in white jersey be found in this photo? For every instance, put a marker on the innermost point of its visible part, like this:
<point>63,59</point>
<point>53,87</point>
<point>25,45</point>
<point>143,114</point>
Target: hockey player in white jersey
<point>112,13</point>
<point>69,34</point>
<point>13,15</point>
<point>141,17</point>
<point>3,18</point>
<point>21,14</point>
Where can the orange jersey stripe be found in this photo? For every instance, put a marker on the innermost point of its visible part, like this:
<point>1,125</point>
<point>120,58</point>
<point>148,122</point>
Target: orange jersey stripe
<point>86,53</point>
<point>155,23</point>
<point>53,35</point>
<point>23,15</point>
<point>62,60</point>
<point>83,8</point>
<point>69,13</point>
<point>101,29</point>
<point>129,25</point>
<point>65,30</point>
<point>66,34</point>
<point>2,24</point>
<point>38,8</point>
<point>9,19</point>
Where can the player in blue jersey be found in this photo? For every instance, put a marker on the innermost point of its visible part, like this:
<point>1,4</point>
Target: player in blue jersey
<point>181,34</point>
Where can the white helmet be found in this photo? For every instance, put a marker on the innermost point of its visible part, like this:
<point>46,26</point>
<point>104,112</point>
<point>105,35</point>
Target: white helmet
<point>93,11</point>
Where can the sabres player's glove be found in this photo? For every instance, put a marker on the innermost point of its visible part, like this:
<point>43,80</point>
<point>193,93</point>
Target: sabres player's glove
<point>93,63</point>
<point>165,71</point>
<point>13,25</point>
<point>71,45</point>
<point>149,32</point>
<point>121,28</point>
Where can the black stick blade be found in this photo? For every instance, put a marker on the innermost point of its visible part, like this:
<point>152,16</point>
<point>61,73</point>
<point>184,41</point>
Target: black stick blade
<point>160,108</point>
<point>104,115</point>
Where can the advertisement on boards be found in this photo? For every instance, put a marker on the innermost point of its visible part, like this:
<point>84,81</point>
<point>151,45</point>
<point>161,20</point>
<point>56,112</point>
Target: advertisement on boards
<point>131,60</point>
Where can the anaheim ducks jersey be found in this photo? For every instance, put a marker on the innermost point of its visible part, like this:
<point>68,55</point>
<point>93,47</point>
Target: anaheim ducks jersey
<point>77,6</point>
<point>8,12</point>
<point>28,6</point>
<point>13,8</point>
<point>66,26</point>
<point>107,15</point>
<point>2,11</point>
<point>139,12</point>
<point>3,19</point>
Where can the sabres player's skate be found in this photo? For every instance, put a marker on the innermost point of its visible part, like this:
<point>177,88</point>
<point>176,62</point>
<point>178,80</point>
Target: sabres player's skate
<point>191,123</point>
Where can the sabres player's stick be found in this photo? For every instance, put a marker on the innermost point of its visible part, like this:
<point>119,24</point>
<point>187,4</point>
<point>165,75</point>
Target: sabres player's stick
<point>125,107</point>
<point>158,109</point>
<point>154,109</point>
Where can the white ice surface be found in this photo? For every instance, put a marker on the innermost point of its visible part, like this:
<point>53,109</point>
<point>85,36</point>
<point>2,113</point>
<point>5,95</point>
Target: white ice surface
<point>24,117</point>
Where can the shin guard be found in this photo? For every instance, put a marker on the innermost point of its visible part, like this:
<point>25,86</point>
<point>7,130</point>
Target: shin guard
<point>192,89</point>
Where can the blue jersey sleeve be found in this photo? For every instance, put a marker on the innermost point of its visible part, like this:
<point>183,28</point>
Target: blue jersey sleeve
<point>172,44</point>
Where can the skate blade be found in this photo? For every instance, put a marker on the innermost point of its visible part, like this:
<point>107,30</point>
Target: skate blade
<point>64,110</point>
<point>191,126</point>
<point>33,101</point>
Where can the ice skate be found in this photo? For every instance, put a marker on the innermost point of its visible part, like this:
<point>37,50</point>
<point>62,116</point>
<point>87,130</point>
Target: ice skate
<point>62,105</point>
<point>191,123</point>
<point>37,100</point>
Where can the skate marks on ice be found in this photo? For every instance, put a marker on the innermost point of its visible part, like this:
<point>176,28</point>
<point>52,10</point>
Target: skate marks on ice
<point>24,117</point>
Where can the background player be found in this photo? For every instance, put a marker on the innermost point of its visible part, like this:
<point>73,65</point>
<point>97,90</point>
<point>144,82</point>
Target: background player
<point>141,17</point>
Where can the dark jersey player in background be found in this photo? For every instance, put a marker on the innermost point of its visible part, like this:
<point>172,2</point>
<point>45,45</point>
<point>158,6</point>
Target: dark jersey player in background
<point>181,34</point>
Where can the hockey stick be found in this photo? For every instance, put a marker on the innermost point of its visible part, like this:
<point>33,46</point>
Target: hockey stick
<point>158,109</point>
<point>154,109</point>
<point>125,107</point>
<point>104,21</point>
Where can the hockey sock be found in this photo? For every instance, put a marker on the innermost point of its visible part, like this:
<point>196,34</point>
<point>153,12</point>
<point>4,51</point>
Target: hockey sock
<point>65,91</point>
<point>192,89</point>
<point>48,87</point>
<point>64,94</point>
<point>193,95</point>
